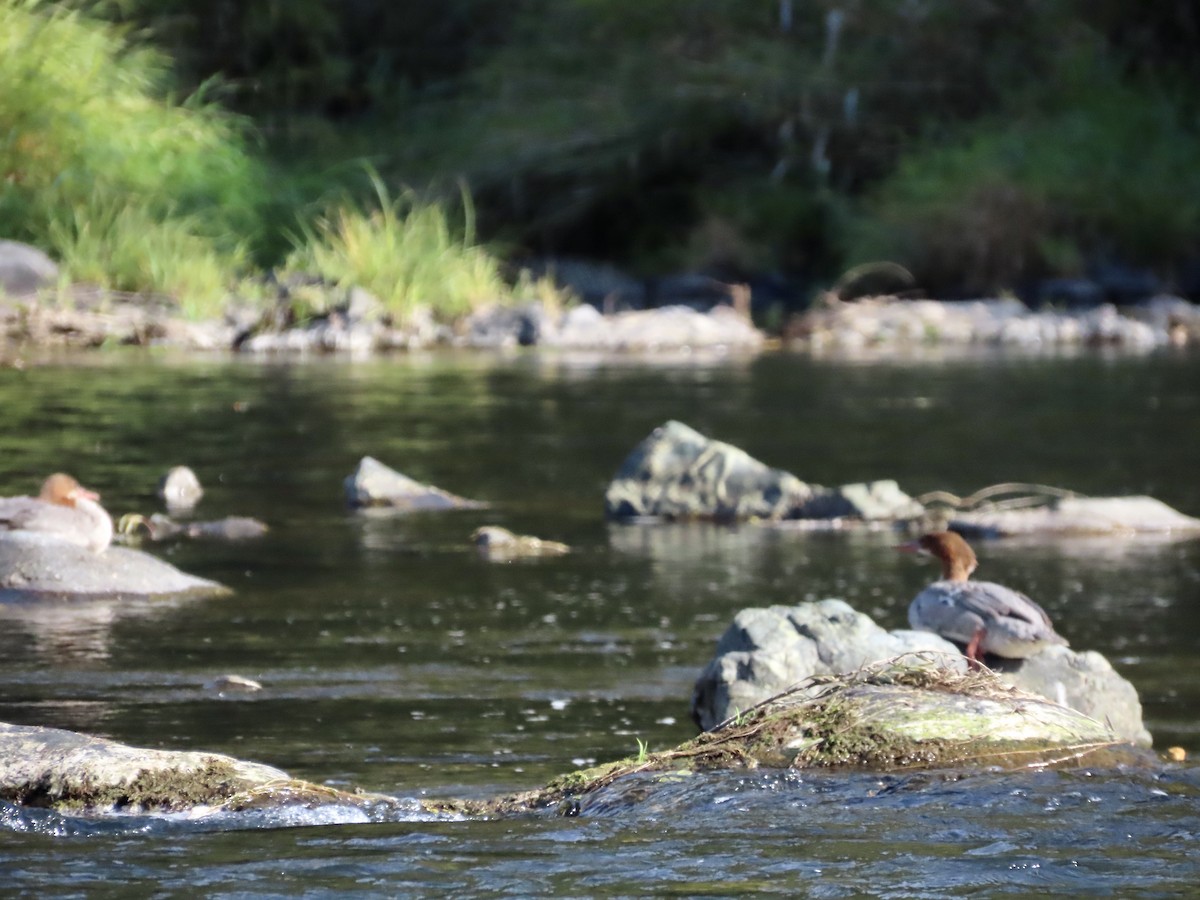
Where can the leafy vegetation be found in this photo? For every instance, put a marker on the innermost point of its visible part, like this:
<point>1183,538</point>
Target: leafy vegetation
<point>405,252</point>
<point>126,188</point>
<point>978,144</point>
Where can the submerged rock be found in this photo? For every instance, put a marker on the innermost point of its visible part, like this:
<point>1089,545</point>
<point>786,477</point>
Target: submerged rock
<point>35,566</point>
<point>180,489</point>
<point>765,651</point>
<point>498,544</point>
<point>374,484</point>
<point>162,528</point>
<point>678,473</point>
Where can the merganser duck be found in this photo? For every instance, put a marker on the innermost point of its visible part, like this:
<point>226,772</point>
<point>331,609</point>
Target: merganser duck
<point>986,617</point>
<point>64,509</point>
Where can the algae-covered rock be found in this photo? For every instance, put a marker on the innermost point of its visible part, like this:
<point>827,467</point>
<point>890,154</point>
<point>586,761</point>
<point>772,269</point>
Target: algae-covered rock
<point>36,566</point>
<point>68,771</point>
<point>374,484</point>
<point>83,775</point>
<point>908,713</point>
<point>765,651</point>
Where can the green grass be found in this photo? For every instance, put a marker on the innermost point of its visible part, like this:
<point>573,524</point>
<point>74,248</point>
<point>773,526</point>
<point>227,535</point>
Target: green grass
<point>127,187</point>
<point>405,252</point>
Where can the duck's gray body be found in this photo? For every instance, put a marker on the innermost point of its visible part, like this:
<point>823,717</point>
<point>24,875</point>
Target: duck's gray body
<point>1006,622</point>
<point>85,523</point>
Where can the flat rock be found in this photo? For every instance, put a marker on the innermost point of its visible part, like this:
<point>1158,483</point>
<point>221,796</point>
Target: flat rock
<point>1078,516</point>
<point>79,774</point>
<point>38,566</point>
<point>678,473</point>
<point>374,484</point>
<point>766,651</point>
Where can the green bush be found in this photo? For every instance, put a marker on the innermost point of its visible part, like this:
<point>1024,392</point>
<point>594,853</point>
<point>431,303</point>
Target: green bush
<point>126,186</point>
<point>1105,169</point>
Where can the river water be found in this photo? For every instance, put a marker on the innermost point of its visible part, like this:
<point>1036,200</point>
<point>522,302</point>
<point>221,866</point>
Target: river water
<point>396,660</point>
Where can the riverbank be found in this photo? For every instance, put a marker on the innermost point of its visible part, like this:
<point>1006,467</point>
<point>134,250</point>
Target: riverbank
<point>354,323</point>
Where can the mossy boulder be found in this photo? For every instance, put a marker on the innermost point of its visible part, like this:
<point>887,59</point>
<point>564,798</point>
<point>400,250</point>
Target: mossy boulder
<point>76,773</point>
<point>901,714</point>
<point>765,650</point>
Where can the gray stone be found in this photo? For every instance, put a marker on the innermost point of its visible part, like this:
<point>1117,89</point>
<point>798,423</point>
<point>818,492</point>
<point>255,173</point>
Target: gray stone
<point>80,774</point>
<point>34,566</point>
<point>870,500</point>
<point>668,328</point>
<point>766,651</point>
<point>677,473</point>
<point>1086,682</point>
<point>1077,516</point>
<point>180,488</point>
<point>24,269</point>
<point>162,528</point>
<point>374,484</point>
<point>497,544</point>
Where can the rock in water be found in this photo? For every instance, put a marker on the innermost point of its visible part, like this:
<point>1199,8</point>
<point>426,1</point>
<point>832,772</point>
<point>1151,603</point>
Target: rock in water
<point>1078,516</point>
<point>374,484</point>
<point>33,566</point>
<point>80,774</point>
<point>501,545</point>
<point>678,473</point>
<point>180,489</point>
<point>766,651</point>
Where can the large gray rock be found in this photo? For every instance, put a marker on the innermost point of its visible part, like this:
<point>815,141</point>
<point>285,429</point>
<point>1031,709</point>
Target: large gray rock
<point>766,651</point>
<point>678,473</point>
<point>374,484</point>
<point>24,269</point>
<point>40,566</point>
<point>1071,516</point>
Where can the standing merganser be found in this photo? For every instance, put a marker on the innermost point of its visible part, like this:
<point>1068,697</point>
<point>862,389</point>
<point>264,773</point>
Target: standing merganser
<point>64,509</point>
<point>987,617</point>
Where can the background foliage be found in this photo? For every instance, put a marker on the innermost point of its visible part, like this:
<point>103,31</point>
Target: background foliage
<point>978,143</point>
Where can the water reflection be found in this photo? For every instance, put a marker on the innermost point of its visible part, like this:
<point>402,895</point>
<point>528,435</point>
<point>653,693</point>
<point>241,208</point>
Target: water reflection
<point>60,631</point>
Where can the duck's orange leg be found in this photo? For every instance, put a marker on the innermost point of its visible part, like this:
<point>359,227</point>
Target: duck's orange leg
<point>972,654</point>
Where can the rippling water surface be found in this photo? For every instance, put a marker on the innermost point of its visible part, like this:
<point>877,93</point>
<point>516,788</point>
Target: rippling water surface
<point>394,659</point>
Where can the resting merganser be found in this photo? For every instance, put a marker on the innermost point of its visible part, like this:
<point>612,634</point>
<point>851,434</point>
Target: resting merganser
<point>64,509</point>
<point>987,617</point>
